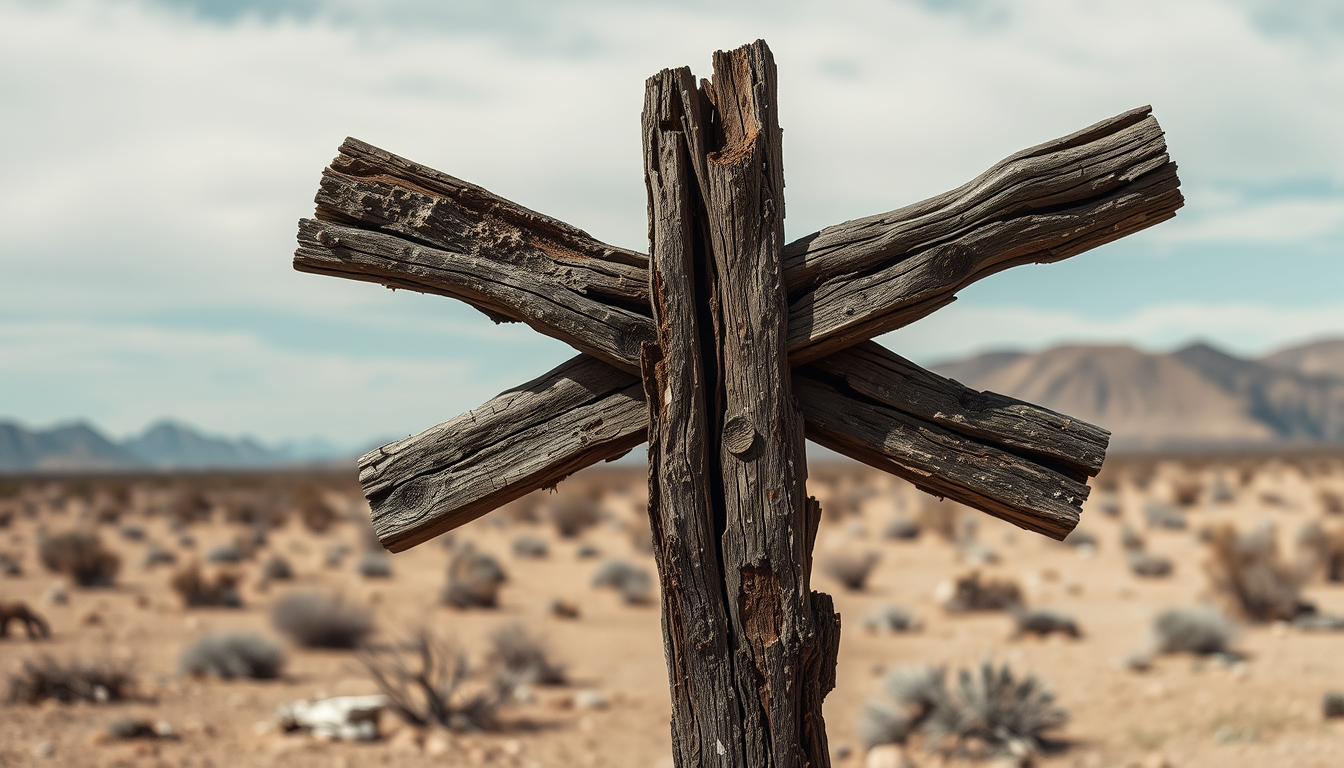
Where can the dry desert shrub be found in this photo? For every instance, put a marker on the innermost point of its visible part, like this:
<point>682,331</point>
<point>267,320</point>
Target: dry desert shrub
<point>276,569</point>
<point>1042,621</point>
<point>426,682</point>
<point>1332,705</point>
<point>318,620</point>
<point>233,655</point>
<point>529,546</point>
<point>156,554</point>
<point>850,568</point>
<point>986,711</point>
<point>97,681</point>
<point>968,593</point>
<point>633,583</point>
<point>227,554</point>
<point>1186,491</point>
<point>901,528</point>
<point>1202,630</point>
<point>1148,565</point>
<point>81,556</point>
<point>33,624</point>
<point>474,579</point>
<point>888,619</point>
<point>524,658</point>
<point>374,564</point>
<point>1160,514</point>
<point>190,506</point>
<point>1246,572</point>
<point>573,514</point>
<point>196,590</point>
<point>314,511</point>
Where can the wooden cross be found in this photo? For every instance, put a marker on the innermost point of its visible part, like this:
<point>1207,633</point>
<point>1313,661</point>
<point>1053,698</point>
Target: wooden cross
<point>722,348</point>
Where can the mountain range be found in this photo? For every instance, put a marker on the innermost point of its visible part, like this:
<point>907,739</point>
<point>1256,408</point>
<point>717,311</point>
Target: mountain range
<point>166,445</point>
<point>1194,397</point>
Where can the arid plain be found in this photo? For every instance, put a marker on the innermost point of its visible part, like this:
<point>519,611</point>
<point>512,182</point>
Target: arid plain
<point>1255,698</point>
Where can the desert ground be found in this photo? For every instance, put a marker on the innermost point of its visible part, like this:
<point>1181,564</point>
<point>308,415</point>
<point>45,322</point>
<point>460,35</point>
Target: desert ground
<point>1257,702</point>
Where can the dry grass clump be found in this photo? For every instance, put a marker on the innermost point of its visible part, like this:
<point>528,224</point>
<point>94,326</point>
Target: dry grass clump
<point>233,655</point>
<point>474,579</point>
<point>633,583</point>
<point>523,657</point>
<point>572,515</point>
<point>1042,621</point>
<point>374,564</point>
<point>968,593</point>
<point>1245,570</point>
<point>529,546</point>
<point>850,568</point>
<point>1202,630</point>
<point>426,682</point>
<point>197,590</point>
<point>97,681</point>
<point>318,620</point>
<point>985,712</point>
<point>81,556</point>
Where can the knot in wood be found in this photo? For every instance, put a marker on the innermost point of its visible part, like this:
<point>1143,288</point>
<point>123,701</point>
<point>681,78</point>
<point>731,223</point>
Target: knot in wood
<point>326,238</point>
<point>738,435</point>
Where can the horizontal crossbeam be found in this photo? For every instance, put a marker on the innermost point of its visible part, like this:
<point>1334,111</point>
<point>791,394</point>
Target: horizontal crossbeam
<point>1011,459</point>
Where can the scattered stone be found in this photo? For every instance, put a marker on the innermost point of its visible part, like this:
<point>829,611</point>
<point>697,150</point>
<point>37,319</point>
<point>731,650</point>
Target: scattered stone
<point>563,609</point>
<point>590,700</point>
<point>344,718</point>
<point>56,594</point>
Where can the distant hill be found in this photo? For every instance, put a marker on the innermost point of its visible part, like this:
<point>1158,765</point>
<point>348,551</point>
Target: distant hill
<point>165,445</point>
<point>1196,396</point>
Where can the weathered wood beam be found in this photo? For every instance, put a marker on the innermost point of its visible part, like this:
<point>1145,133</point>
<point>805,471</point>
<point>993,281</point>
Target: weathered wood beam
<point>501,288</point>
<point>848,282</point>
<point>707,718</point>
<point>530,437</point>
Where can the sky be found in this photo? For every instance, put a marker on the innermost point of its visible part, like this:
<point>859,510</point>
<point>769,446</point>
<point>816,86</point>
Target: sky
<point>157,155</point>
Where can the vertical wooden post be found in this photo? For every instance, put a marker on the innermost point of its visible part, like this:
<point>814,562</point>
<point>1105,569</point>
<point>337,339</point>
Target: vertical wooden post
<point>750,648</point>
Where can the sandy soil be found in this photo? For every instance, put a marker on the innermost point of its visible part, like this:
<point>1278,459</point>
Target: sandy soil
<point>1184,711</point>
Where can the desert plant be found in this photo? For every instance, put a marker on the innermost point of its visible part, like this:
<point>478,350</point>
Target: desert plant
<point>228,554</point>
<point>233,655</point>
<point>850,569</point>
<point>431,690</point>
<point>1332,704</point>
<point>190,506</point>
<point>986,711</point>
<point>1042,622</point>
<point>314,511</point>
<point>318,620</point>
<point>968,593</point>
<point>335,554</point>
<point>474,579</point>
<point>98,681</point>
<point>1161,514</point>
<point>10,565</point>
<point>632,582</point>
<point>1246,572</point>
<point>901,528</point>
<point>523,657</point>
<point>888,619</point>
<point>1319,622</point>
<point>586,551</point>
<point>1187,491</point>
<point>374,564</point>
<point>1202,630</point>
<point>81,556</point>
<point>529,546</point>
<point>1147,564</point>
<point>196,590</point>
<point>276,569</point>
<point>1130,539</point>
<point>1082,540</point>
<point>572,515</point>
<point>132,532</point>
<point>158,555</point>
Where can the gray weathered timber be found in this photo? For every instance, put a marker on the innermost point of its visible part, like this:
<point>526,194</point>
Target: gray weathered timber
<point>369,187</point>
<point>848,282</point>
<point>944,463</point>
<point>707,727</point>
<point>530,437</point>
<point>1082,167</point>
<point>869,370</point>
<point>773,617</point>
<point>606,331</point>
<point>852,308</point>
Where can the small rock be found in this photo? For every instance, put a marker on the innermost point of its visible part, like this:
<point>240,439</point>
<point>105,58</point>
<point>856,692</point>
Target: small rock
<point>43,749</point>
<point>437,745</point>
<point>56,594</point>
<point>590,700</point>
<point>887,756</point>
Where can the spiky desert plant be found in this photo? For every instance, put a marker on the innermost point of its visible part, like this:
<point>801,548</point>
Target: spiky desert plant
<point>233,655</point>
<point>319,620</point>
<point>81,556</point>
